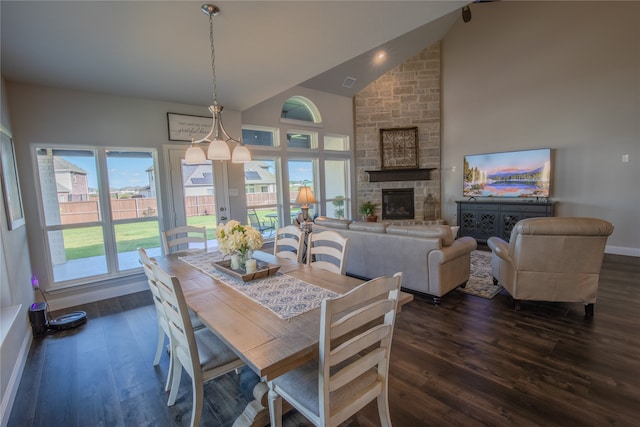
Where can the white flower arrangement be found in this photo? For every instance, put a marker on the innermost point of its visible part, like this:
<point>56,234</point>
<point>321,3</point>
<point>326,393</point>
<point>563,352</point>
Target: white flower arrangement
<point>234,237</point>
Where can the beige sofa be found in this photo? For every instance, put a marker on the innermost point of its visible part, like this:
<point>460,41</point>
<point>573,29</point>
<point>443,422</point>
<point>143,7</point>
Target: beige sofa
<point>552,259</point>
<point>431,260</point>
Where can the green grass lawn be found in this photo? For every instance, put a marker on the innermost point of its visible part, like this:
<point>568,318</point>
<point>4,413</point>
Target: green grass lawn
<point>87,242</point>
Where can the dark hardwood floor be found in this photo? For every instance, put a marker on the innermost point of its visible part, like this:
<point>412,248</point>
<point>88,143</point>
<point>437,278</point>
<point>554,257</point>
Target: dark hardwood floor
<point>469,362</point>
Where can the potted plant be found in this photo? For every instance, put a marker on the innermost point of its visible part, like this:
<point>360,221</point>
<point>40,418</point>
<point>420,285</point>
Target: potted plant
<point>368,209</point>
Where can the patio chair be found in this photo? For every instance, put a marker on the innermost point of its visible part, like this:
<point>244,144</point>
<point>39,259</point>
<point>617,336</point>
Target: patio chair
<point>255,222</point>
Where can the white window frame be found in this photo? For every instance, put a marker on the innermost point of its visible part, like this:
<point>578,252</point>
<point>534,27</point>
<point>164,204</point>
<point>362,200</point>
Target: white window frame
<point>106,222</point>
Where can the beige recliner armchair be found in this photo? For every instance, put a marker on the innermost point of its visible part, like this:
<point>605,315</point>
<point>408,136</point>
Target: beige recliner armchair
<point>552,259</point>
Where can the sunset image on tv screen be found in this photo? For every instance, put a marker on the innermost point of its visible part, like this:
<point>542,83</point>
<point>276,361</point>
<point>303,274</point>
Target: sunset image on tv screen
<point>509,174</point>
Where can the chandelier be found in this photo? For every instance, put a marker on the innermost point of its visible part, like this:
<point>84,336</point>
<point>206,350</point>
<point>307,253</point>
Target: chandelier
<point>218,138</point>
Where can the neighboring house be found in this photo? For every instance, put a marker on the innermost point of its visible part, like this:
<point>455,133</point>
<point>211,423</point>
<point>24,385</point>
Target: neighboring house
<point>197,180</point>
<point>258,178</point>
<point>71,181</point>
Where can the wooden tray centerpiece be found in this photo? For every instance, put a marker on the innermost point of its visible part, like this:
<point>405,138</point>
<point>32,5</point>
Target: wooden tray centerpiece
<point>263,269</point>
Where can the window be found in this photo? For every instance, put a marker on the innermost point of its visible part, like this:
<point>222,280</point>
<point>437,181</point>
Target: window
<point>336,143</point>
<point>261,188</point>
<point>302,172</point>
<point>308,156</point>
<point>301,139</point>
<point>299,108</point>
<point>258,137</point>
<point>98,207</point>
<point>337,201</point>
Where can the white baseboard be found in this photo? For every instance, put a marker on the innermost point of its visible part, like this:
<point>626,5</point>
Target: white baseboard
<point>58,302</point>
<point>622,250</point>
<point>14,382</point>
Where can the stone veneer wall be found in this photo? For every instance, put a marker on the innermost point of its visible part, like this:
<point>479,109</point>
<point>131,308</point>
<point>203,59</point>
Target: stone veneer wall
<point>407,96</point>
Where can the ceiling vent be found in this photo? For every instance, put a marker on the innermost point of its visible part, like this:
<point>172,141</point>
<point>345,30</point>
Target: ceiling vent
<point>349,82</point>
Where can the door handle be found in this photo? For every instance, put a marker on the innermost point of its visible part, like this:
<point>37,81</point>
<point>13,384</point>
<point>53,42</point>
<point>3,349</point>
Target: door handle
<point>223,218</point>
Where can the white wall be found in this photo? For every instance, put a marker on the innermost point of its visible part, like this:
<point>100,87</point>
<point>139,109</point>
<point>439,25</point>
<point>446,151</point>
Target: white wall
<point>15,291</point>
<point>564,75</point>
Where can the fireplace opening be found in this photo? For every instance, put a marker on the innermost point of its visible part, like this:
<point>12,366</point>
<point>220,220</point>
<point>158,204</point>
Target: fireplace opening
<point>397,203</point>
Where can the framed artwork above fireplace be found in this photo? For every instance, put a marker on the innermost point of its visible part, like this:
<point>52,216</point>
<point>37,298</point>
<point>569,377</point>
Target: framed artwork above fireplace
<point>399,148</point>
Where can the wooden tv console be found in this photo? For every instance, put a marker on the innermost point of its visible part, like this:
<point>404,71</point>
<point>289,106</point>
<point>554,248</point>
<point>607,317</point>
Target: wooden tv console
<point>483,219</point>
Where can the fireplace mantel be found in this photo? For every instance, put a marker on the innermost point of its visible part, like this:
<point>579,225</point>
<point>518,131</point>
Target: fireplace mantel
<point>400,175</point>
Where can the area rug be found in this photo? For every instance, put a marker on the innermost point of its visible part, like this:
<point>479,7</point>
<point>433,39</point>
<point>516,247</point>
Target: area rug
<point>481,281</point>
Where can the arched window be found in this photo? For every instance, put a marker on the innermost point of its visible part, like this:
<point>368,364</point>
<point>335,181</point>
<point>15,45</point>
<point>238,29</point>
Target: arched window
<point>301,109</point>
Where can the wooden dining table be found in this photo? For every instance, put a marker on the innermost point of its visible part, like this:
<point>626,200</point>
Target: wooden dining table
<point>268,344</point>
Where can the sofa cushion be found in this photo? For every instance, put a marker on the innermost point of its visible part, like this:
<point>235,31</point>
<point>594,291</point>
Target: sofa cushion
<point>372,227</point>
<point>442,232</point>
<point>398,229</point>
<point>333,222</point>
<point>414,222</point>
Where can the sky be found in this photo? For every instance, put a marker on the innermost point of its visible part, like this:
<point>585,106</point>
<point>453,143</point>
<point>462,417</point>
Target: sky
<point>300,170</point>
<point>123,172</point>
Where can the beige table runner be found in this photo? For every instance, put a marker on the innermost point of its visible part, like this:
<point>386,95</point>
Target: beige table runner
<point>286,296</point>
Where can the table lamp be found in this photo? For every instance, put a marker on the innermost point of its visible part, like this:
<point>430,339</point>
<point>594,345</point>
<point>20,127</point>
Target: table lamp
<point>305,196</point>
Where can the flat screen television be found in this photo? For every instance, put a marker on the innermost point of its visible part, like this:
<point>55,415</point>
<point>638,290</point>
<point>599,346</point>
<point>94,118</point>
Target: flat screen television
<point>524,173</point>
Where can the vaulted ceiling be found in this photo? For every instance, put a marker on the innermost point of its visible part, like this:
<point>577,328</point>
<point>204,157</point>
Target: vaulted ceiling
<point>160,49</point>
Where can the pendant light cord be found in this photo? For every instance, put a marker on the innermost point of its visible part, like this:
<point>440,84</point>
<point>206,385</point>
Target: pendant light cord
<point>213,60</point>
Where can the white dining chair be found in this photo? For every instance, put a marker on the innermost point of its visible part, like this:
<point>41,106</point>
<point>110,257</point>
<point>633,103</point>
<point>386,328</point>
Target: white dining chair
<point>163,326</point>
<point>183,238</point>
<point>353,365</point>
<point>201,353</point>
<point>289,243</point>
<point>328,250</point>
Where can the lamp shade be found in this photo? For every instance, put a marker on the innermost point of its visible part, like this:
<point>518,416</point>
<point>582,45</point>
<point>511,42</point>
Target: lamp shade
<point>305,196</point>
<point>218,150</point>
<point>241,154</point>
<point>194,155</point>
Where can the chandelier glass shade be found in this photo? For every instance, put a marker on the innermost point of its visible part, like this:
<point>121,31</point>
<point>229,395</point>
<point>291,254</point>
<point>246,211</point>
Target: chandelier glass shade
<point>218,138</point>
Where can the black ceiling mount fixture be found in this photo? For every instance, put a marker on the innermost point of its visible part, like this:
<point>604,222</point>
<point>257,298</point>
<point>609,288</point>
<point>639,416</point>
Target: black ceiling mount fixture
<point>466,10</point>
<point>466,14</point>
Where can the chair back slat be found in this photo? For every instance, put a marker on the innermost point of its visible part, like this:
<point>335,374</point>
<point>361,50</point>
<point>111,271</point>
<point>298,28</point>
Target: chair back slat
<point>355,369</point>
<point>289,243</point>
<point>359,343</point>
<point>183,238</point>
<point>360,317</point>
<point>328,250</point>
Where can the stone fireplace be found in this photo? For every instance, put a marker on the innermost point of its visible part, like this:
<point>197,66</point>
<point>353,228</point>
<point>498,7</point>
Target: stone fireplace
<point>397,203</point>
<point>406,96</point>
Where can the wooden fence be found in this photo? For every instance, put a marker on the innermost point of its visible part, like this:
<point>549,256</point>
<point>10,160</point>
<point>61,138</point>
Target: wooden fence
<point>82,212</point>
